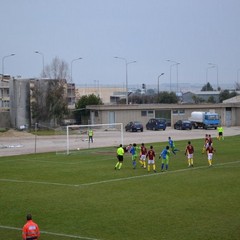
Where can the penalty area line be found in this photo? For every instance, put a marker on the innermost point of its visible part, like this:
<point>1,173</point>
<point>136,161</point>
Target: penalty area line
<point>118,179</point>
<point>51,233</point>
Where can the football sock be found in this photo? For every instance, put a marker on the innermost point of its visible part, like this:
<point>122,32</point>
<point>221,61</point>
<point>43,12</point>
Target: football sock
<point>162,166</point>
<point>149,168</point>
<point>134,164</point>
<point>154,167</point>
<point>120,165</point>
<point>166,166</point>
<point>189,163</point>
<point>117,165</point>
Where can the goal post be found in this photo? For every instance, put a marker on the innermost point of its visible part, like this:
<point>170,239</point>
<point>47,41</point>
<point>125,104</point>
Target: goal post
<point>77,138</point>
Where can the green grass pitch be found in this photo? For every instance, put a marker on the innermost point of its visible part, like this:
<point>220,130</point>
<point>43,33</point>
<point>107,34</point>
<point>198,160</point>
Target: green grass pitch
<point>81,196</point>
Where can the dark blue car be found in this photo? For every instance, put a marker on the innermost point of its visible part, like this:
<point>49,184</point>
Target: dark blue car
<point>156,124</point>
<point>183,125</point>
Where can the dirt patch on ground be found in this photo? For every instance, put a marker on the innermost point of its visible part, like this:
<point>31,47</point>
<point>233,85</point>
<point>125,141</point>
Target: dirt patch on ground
<point>14,133</point>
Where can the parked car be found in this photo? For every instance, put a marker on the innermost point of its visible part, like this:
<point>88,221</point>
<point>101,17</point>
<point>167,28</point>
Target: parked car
<point>183,125</point>
<point>156,124</point>
<point>134,127</point>
<point>167,120</point>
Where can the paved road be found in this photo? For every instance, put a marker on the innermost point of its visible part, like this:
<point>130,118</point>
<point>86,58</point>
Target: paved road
<point>30,144</point>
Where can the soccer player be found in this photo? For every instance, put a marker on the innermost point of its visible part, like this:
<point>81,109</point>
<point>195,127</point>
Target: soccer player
<point>220,133</point>
<point>120,153</point>
<point>151,159</point>
<point>90,135</point>
<point>30,229</point>
<point>206,143</point>
<point>189,153</point>
<point>210,150</point>
<point>143,153</point>
<point>172,145</point>
<point>164,155</point>
<point>133,151</point>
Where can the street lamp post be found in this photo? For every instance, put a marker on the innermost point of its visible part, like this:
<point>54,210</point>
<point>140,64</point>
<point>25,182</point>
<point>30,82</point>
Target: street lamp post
<point>126,63</point>
<point>3,60</point>
<point>158,82</point>
<point>172,65</point>
<point>215,66</point>
<point>43,72</point>
<point>97,87</point>
<point>71,79</point>
<point>76,59</point>
<point>238,76</point>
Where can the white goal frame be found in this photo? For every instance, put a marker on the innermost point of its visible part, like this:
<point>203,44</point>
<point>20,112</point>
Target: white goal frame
<point>92,125</point>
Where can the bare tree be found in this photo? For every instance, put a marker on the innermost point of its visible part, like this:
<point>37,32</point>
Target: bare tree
<point>58,69</point>
<point>50,95</point>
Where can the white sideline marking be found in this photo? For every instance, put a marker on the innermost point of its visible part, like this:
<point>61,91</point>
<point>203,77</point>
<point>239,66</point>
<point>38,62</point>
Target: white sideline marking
<point>114,180</point>
<point>51,233</point>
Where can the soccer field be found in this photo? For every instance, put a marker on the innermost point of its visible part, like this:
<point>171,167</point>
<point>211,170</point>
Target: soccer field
<point>81,196</point>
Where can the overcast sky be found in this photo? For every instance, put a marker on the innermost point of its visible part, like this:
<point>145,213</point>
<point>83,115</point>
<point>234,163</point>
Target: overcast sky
<point>191,32</point>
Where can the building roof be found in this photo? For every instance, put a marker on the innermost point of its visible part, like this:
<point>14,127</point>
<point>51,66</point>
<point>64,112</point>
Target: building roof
<point>235,99</point>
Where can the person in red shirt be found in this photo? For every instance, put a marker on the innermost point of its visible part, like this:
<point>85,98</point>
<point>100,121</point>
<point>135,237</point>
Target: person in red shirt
<point>151,159</point>
<point>210,150</point>
<point>205,145</point>
<point>30,230</point>
<point>189,153</point>
<point>143,154</point>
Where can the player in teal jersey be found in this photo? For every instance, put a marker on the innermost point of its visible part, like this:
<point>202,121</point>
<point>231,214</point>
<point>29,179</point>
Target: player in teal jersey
<point>164,155</point>
<point>172,145</point>
<point>133,151</point>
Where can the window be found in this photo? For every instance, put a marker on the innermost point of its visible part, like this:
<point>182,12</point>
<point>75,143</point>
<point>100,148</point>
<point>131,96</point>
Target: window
<point>147,113</point>
<point>178,111</point>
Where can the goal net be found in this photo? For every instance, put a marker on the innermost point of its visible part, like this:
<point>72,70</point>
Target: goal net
<point>103,135</point>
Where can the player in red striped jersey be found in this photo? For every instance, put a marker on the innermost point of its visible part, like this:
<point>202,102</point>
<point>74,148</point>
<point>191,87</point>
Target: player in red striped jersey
<point>189,151</point>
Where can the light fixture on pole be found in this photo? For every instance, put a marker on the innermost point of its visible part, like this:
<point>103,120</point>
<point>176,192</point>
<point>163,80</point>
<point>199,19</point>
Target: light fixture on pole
<point>215,66</point>
<point>71,79</point>
<point>43,70</point>
<point>76,59</point>
<point>126,63</point>
<point>172,65</point>
<point>3,60</point>
<point>158,82</point>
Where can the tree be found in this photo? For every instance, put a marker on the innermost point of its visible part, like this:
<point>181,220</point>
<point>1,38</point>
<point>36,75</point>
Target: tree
<point>57,69</point>
<point>50,97</point>
<point>226,95</point>
<point>166,97</point>
<point>81,113</point>
<point>197,99</point>
<point>211,100</point>
<point>207,87</point>
<point>50,102</point>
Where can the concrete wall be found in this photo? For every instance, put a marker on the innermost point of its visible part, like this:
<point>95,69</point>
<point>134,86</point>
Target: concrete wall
<point>5,120</point>
<point>19,102</point>
<point>124,114</point>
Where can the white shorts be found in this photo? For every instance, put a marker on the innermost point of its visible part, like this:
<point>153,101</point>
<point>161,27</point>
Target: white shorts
<point>210,156</point>
<point>151,162</point>
<point>143,157</point>
<point>190,155</point>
